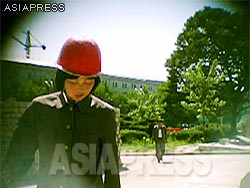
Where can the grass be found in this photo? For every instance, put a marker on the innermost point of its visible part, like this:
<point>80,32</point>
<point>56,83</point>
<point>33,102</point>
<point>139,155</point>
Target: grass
<point>138,146</point>
<point>148,146</point>
<point>172,144</point>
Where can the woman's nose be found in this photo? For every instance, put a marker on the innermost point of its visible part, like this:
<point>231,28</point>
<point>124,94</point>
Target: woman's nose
<point>82,81</point>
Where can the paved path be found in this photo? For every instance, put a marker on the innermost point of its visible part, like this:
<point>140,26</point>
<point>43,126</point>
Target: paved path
<point>185,171</point>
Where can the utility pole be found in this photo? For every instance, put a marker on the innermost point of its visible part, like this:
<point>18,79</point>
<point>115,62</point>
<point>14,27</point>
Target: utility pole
<point>28,43</point>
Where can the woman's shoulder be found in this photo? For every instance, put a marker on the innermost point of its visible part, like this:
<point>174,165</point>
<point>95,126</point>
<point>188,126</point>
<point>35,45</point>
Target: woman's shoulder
<point>52,100</point>
<point>99,103</point>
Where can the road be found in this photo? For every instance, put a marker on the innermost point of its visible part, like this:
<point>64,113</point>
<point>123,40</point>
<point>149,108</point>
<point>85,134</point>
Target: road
<point>184,171</point>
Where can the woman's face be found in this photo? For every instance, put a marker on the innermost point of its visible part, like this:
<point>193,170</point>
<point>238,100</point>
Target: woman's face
<point>77,89</point>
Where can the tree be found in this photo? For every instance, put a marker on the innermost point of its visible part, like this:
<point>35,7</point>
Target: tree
<point>105,92</point>
<point>117,99</point>
<point>210,34</point>
<point>203,90</point>
<point>144,106</point>
<point>175,114</point>
<point>139,108</point>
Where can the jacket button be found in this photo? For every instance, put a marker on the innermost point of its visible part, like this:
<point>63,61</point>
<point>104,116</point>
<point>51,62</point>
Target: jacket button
<point>66,147</point>
<point>68,127</point>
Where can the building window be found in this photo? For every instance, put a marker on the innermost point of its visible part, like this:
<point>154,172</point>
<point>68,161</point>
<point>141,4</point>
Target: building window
<point>124,85</point>
<point>114,84</point>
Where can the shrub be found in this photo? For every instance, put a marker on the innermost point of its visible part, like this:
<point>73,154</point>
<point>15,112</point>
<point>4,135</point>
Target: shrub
<point>191,135</point>
<point>129,136</point>
<point>214,131</point>
<point>136,127</point>
<point>244,127</point>
<point>226,130</point>
<point>195,136</point>
<point>208,133</point>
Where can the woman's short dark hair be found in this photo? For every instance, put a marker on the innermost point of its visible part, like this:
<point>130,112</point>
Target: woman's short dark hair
<point>61,76</point>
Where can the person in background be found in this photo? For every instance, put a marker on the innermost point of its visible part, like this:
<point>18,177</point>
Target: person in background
<point>159,136</point>
<point>74,131</point>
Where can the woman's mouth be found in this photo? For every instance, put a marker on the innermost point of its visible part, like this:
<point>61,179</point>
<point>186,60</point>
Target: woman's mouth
<point>79,95</point>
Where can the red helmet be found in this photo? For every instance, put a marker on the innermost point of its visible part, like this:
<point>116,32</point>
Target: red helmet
<point>80,56</point>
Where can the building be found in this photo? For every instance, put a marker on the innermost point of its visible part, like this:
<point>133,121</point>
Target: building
<point>125,84</point>
<point>18,75</point>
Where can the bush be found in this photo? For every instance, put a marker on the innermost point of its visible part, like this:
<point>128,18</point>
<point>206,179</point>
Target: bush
<point>244,127</point>
<point>195,136</point>
<point>136,127</point>
<point>191,135</point>
<point>129,136</point>
<point>209,133</point>
<point>214,131</point>
<point>227,131</point>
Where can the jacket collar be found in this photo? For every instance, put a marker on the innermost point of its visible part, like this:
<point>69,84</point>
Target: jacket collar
<point>82,105</point>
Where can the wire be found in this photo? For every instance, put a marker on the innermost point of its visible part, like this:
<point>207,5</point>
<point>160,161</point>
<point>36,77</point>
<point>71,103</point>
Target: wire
<point>36,39</point>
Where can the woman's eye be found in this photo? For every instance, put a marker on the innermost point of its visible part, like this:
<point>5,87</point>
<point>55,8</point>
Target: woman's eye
<point>88,80</point>
<point>73,81</point>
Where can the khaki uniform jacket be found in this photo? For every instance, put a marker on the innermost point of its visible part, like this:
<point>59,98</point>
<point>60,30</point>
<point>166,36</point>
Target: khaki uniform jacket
<point>77,143</point>
<point>155,134</point>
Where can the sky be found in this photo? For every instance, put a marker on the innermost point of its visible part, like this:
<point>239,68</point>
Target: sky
<point>135,37</point>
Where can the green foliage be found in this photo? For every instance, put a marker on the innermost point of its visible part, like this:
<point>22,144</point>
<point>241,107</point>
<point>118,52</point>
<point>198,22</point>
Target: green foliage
<point>206,38</point>
<point>190,135</point>
<point>132,126</point>
<point>24,89</point>
<point>139,108</point>
<point>244,127</point>
<point>144,107</point>
<point>129,136</point>
<point>148,146</point>
<point>23,82</point>
<point>210,133</point>
<point>172,144</point>
<point>29,90</point>
<point>213,132</point>
<point>138,146</point>
<point>105,92</point>
<point>174,114</point>
<point>117,99</point>
<point>202,90</point>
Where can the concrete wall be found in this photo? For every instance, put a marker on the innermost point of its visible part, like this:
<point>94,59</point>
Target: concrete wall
<point>10,114</point>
